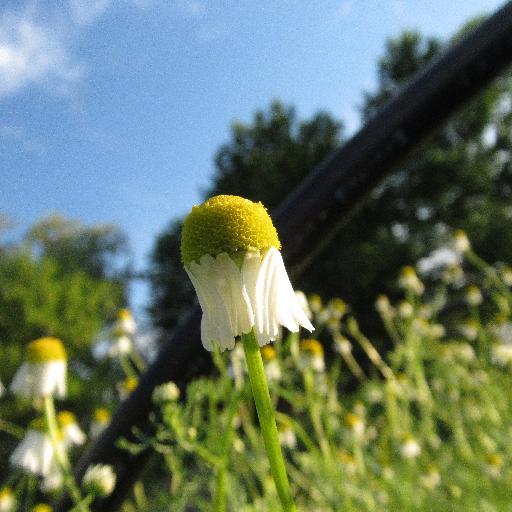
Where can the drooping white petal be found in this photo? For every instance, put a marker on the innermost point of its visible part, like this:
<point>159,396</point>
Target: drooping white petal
<point>39,379</point>
<point>234,300</point>
<point>34,454</point>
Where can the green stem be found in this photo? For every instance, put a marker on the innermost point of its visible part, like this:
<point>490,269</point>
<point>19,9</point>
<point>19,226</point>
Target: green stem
<point>267,419</point>
<point>61,456</point>
<point>11,429</point>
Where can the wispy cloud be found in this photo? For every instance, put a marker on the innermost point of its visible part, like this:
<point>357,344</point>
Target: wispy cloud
<point>17,136</point>
<point>84,12</point>
<point>34,53</point>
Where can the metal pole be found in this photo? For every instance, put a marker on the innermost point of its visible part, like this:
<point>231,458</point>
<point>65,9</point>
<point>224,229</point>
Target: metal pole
<point>311,214</point>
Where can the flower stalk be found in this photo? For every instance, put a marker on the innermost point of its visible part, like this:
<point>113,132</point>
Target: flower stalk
<point>267,419</point>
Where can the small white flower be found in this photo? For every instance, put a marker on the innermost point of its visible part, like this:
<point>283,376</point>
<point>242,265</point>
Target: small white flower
<point>231,253</point>
<point>409,281</point>
<point>167,392</point>
<point>53,480</point>
<point>8,502</point>
<point>271,363</point>
<point>72,433</point>
<point>124,325</point>
<point>44,371</point>
<point>461,242</point>
<point>501,354</point>
<point>287,437</point>
<point>119,346</point>
<point>474,295</point>
<point>35,453</point>
<point>410,448</point>
<point>312,355</point>
<point>101,419</point>
<point>99,480</point>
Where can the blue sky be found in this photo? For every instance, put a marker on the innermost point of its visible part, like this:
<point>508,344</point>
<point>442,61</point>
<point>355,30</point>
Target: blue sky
<point>111,110</point>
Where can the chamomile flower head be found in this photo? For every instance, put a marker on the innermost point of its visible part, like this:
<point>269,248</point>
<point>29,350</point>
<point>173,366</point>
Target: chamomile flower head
<point>271,363</point>
<point>410,281</point>
<point>99,480</point>
<point>474,295</point>
<point>35,453</point>
<point>44,371</point>
<point>126,386</point>
<point>165,393</point>
<point>312,353</point>
<point>42,507</point>
<point>120,345</point>
<point>8,502</point>
<point>230,250</point>
<point>124,324</point>
<point>100,420</point>
<point>73,434</point>
<point>461,243</point>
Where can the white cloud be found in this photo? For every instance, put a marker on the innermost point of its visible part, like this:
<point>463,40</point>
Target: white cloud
<point>18,137</point>
<point>34,53</point>
<point>85,12</point>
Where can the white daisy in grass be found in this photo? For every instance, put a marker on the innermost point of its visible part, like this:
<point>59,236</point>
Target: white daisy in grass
<point>44,371</point>
<point>8,502</point>
<point>71,431</point>
<point>124,324</point>
<point>271,363</point>
<point>312,355</point>
<point>120,346</point>
<point>100,420</point>
<point>230,250</point>
<point>99,480</point>
<point>35,453</point>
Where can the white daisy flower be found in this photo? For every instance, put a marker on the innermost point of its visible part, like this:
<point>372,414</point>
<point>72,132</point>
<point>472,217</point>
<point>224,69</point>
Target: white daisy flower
<point>409,281</point>
<point>53,481</point>
<point>101,418</point>
<point>99,480</point>
<point>312,355</point>
<point>44,371</point>
<point>271,363</point>
<point>230,249</point>
<point>461,243</point>
<point>35,453</point>
<point>71,431</point>
<point>121,345</point>
<point>8,502</point>
<point>168,392</point>
<point>410,448</point>
<point>124,325</point>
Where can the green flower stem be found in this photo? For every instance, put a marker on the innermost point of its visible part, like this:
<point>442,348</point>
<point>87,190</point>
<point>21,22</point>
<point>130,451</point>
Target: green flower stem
<point>61,457</point>
<point>267,419</point>
<point>11,429</point>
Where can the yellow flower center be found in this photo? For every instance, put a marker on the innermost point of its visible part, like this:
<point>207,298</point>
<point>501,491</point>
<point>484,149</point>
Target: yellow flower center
<point>5,493</point>
<point>352,420</point>
<point>45,349</point>
<point>268,353</point>
<point>313,347</point>
<point>229,224</point>
<point>124,314</point>
<point>66,418</point>
<point>129,384</point>
<point>42,507</point>
<point>102,415</point>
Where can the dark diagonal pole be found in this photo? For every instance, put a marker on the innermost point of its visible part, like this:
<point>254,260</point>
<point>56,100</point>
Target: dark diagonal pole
<point>311,214</point>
